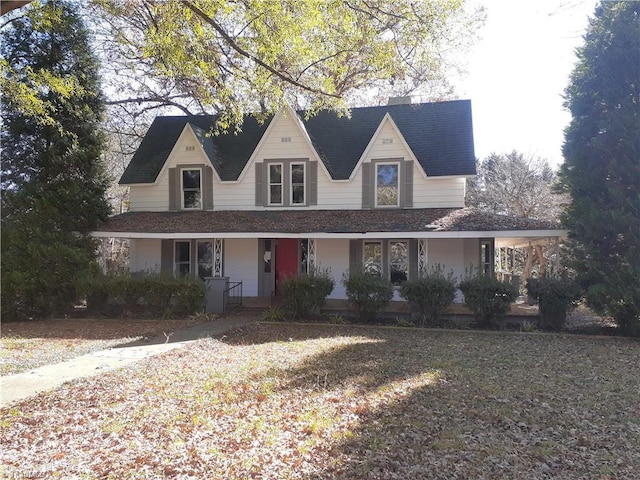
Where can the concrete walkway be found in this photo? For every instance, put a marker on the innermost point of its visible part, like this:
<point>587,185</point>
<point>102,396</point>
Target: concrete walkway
<point>23,385</point>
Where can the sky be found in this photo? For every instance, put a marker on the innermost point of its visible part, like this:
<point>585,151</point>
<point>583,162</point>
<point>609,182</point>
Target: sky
<point>517,73</point>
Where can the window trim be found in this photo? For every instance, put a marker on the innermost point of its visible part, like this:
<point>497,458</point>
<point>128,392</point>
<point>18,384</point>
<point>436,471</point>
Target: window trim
<point>182,188</point>
<point>383,270</point>
<point>384,162</point>
<point>385,258</point>
<point>269,184</point>
<point>408,261</point>
<point>287,190</point>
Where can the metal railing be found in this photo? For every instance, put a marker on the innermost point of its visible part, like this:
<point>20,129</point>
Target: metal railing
<point>233,295</point>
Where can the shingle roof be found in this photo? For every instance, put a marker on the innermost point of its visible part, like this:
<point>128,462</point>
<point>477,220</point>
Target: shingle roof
<point>228,153</point>
<point>439,134</point>
<point>320,221</point>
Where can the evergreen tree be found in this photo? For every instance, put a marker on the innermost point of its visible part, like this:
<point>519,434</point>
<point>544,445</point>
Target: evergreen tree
<point>602,163</point>
<point>53,181</point>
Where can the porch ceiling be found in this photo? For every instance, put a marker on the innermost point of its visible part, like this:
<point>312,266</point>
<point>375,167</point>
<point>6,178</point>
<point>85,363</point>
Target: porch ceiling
<point>430,222</point>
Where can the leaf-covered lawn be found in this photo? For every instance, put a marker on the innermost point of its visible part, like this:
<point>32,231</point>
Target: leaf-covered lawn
<point>34,343</point>
<point>317,402</point>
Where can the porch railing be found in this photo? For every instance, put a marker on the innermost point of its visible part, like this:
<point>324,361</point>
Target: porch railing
<point>233,295</point>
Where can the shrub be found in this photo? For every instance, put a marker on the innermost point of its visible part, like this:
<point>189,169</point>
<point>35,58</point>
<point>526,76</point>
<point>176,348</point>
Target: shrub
<point>151,293</point>
<point>368,295</point>
<point>488,298</point>
<point>273,314</point>
<point>556,297</point>
<point>430,295</point>
<point>307,293</point>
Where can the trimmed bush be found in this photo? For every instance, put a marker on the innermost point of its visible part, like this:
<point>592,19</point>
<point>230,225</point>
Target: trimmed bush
<point>556,297</point>
<point>368,295</point>
<point>430,295</point>
<point>488,298</point>
<point>306,294</point>
<point>151,294</point>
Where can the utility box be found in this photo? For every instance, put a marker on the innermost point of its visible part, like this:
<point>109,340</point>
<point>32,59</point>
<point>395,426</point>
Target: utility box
<point>216,296</point>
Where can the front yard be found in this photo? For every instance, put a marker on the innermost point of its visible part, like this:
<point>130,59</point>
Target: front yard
<point>32,344</point>
<point>277,401</point>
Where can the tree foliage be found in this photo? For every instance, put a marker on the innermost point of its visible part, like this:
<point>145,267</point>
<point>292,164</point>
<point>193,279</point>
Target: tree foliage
<point>253,56</point>
<point>602,168</point>
<point>515,184</point>
<point>53,181</point>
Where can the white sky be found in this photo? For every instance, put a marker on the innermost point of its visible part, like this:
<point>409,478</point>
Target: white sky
<point>517,74</point>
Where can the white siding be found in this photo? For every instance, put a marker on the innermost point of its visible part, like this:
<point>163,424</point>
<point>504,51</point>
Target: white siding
<point>145,255</point>
<point>429,192</point>
<point>241,264</point>
<point>450,253</point>
<point>334,254</point>
<point>155,198</point>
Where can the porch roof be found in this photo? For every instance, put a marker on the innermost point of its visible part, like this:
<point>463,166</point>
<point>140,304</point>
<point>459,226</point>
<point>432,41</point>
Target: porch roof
<point>430,222</point>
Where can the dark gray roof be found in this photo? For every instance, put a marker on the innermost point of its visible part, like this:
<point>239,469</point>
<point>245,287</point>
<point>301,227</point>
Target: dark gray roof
<point>439,134</point>
<point>325,221</point>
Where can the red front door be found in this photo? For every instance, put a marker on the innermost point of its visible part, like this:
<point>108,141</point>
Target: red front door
<point>286,259</point>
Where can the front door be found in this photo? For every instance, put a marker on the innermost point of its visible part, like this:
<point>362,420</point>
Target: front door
<point>266,267</point>
<point>286,253</point>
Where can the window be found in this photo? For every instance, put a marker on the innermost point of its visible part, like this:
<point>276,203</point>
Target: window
<point>297,184</point>
<point>275,184</point>
<point>487,254</point>
<point>182,258</point>
<point>387,189</point>
<point>205,259</point>
<point>287,183</point>
<point>191,189</point>
<point>387,259</point>
<point>372,259</point>
<point>398,262</point>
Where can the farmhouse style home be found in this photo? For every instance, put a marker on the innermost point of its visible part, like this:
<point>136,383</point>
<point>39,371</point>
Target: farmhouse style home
<point>380,191</point>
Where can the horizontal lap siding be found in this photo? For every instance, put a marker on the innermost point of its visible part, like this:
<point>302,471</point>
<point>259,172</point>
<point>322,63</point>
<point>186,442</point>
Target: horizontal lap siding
<point>334,254</point>
<point>241,264</point>
<point>155,198</point>
<point>437,193</point>
<point>144,255</point>
<point>339,195</point>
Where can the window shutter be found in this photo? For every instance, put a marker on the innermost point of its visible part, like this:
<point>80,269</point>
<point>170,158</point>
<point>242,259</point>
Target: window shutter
<point>312,194</point>
<point>407,184</point>
<point>166,257</point>
<point>193,260</point>
<point>367,187</point>
<point>413,259</point>
<point>207,188</point>
<point>174,190</point>
<point>355,256</point>
<point>260,187</point>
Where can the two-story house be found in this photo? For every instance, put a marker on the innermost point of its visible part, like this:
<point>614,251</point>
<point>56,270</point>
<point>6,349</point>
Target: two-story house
<point>381,191</point>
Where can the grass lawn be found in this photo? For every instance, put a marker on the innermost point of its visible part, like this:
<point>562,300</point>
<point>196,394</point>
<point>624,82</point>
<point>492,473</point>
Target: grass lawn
<point>31,344</point>
<point>277,401</point>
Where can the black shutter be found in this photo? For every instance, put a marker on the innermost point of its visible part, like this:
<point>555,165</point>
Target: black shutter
<point>312,195</point>
<point>174,190</point>
<point>260,187</point>
<point>355,256</point>
<point>407,184</point>
<point>207,188</point>
<point>166,257</point>
<point>367,187</point>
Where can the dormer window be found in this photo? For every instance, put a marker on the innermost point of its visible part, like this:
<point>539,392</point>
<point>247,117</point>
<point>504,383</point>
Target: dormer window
<point>275,184</point>
<point>297,183</point>
<point>387,185</point>
<point>191,188</point>
<point>287,183</point>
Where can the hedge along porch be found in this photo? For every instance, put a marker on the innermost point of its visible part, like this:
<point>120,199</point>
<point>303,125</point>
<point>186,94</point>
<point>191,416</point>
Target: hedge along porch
<point>262,247</point>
